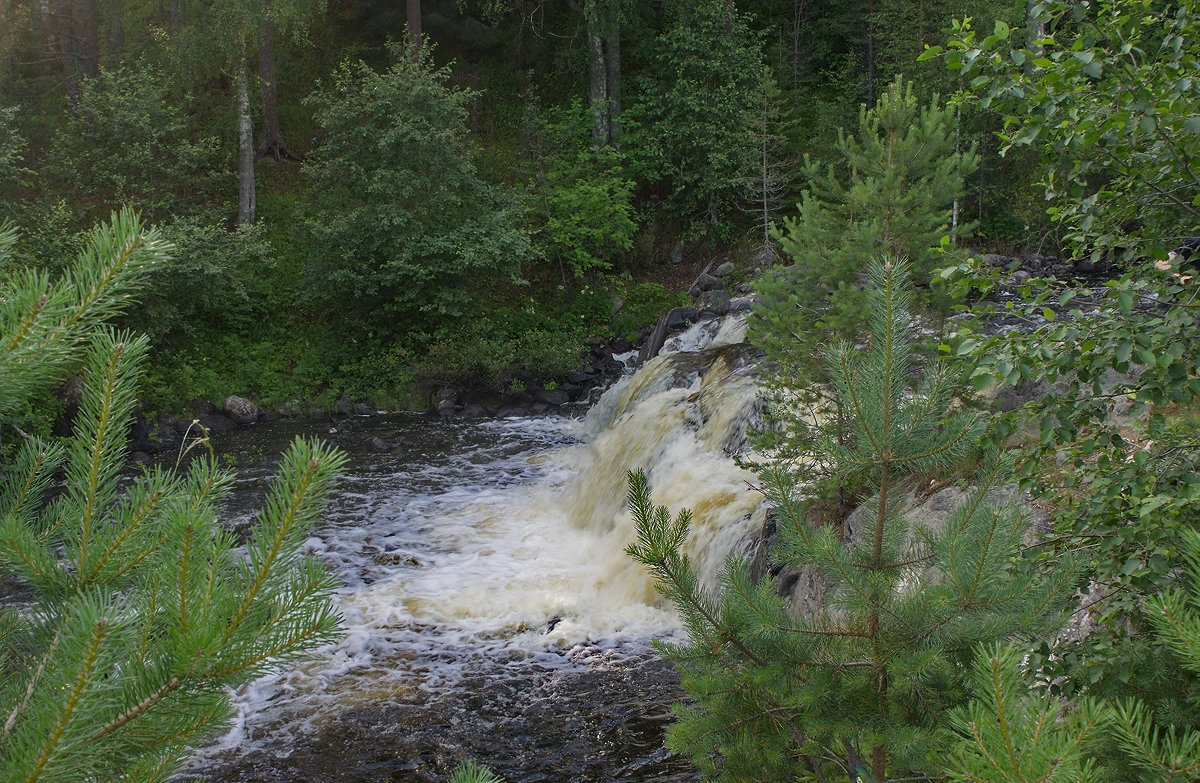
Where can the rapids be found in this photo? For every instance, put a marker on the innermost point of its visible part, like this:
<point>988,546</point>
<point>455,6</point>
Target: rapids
<point>489,607</point>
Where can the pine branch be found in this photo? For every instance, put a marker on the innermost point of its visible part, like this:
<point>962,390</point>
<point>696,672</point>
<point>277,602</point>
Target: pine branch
<point>86,671</point>
<point>170,686</point>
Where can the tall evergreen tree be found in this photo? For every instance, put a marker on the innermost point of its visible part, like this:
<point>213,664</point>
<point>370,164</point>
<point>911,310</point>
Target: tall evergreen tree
<point>862,686</point>
<point>141,612</point>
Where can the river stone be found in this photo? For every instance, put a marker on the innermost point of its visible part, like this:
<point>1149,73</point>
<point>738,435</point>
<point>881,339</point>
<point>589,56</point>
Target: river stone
<point>705,282</point>
<point>215,422</point>
<point>679,317</point>
<point>241,410</point>
<point>551,396</point>
<point>716,302</point>
<point>446,408</point>
<point>742,304</point>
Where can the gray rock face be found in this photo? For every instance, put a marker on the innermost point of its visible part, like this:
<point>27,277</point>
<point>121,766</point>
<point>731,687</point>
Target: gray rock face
<point>805,588</point>
<point>241,410</point>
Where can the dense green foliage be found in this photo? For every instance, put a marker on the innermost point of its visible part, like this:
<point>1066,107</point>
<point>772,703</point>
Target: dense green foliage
<point>138,613</point>
<point>534,154</point>
<point>688,131</point>
<point>864,684</point>
<point>405,219</point>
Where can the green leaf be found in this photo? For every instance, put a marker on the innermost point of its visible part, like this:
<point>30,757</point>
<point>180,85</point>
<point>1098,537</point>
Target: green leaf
<point>1124,349</point>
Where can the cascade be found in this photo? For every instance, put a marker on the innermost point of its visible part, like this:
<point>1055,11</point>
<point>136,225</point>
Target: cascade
<point>491,559</point>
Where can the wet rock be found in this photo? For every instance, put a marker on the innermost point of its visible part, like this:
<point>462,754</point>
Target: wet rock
<point>379,444</point>
<point>241,410</point>
<point>140,458</point>
<point>363,409</point>
<point>705,282</point>
<point>716,302</point>
<point>679,317</point>
<point>215,422</point>
<point>551,396</point>
<point>446,408</point>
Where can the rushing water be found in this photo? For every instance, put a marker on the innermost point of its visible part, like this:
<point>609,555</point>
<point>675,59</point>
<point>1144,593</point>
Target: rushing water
<point>490,610</point>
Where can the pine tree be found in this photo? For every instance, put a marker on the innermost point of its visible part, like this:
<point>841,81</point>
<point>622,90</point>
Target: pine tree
<point>890,193</point>
<point>141,612</point>
<point>1016,733</point>
<point>860,689</point>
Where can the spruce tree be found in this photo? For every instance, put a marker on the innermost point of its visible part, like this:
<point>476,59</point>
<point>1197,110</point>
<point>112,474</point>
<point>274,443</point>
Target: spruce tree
<point>134,610</point>
<point>860,689</point>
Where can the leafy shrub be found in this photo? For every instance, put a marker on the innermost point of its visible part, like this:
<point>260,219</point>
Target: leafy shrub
<point>127,141</point>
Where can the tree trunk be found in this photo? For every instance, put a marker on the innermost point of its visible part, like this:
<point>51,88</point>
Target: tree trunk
<point>50,19</point>
<point>247,205</point>
<point>870,54</point>
<point>88,34</point>
<point>612,55</point>
<point>1035,29</point>
<point>602,24</point>
<point>598,76</point>
<point>270,140</point>
<point>413,12</point>
<point>114,30</point>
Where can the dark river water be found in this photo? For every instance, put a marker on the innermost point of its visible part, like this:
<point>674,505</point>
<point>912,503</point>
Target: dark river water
<point>490,610</point>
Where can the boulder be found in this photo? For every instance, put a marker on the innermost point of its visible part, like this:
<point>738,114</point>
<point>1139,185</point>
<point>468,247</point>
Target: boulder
<point>676,254</point>
<point>679,317</point>
<point>215,422</point>
<point>241,410</point>
<point>724,270</point>
<point>716,302</point>
<point>742,304</point>
<point>551,396</point>
<point>705,282</point>
<point>201,405</point>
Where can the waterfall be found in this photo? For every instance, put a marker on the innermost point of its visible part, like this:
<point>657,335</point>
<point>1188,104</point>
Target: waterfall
<point>497,549</point>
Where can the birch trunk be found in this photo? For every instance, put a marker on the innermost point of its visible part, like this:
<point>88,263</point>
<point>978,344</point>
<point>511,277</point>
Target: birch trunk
<point>247,205</point>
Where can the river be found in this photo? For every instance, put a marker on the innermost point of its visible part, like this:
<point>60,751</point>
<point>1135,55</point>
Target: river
<point>490,610</point>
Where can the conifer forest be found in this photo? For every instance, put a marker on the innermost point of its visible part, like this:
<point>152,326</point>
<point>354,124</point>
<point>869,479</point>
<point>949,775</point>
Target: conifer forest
<point>599,390</point>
